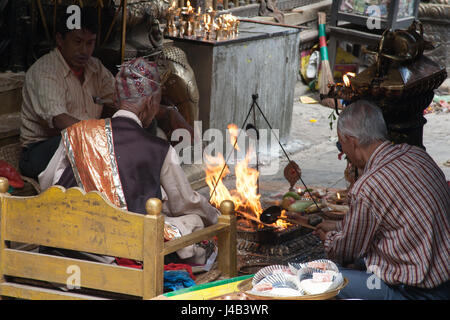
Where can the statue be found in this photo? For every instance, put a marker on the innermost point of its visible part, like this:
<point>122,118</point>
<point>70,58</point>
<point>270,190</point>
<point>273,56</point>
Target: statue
<point>145,30</point>
<point>144,37</point>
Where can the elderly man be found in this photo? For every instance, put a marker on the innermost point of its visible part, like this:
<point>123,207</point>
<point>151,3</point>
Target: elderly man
<point>121,159</point>
<point>65,86</point>
<point>398,218</point>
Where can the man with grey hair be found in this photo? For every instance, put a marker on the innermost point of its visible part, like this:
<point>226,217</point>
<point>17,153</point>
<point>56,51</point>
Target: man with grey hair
<point>120,158</point>
<point>398,218</point>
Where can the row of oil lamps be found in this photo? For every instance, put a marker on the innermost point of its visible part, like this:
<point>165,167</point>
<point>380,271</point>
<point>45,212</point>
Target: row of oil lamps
<point>185,22</point>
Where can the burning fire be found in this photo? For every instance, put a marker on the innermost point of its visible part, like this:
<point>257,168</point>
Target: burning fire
<point>346,78</point>
<point>214,166</point>
<point>245,198</point>
<point>247,187</point>
<point>280,223</point>
<point>234,132</point>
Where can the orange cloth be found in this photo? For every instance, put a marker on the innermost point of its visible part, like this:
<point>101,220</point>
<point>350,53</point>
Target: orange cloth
<point>92,158</point>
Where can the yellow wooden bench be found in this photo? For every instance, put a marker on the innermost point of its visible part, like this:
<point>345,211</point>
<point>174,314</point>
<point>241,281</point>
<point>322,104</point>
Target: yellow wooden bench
<point>75,220</point>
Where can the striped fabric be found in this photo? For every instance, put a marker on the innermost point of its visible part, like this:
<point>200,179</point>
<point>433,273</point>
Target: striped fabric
<point>398,219</point>
<point>51,88</point>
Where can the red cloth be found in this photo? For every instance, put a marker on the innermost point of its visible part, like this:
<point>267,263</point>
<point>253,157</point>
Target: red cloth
<point>128,263</point>
<point>180,266</point>
<point>171,266</point>
<point>8,171</point>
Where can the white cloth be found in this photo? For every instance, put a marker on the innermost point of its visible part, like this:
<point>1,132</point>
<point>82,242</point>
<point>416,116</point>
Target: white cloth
<point>183,207</point>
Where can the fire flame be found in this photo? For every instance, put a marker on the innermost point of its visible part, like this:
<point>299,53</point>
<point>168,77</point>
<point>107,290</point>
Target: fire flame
<point>280,223</point>
<point>214,167</point>
<point>245,197</point>
<point>234,131</point>
<point>247,187</point>
<point>346,78</point>
<point>338,196</point>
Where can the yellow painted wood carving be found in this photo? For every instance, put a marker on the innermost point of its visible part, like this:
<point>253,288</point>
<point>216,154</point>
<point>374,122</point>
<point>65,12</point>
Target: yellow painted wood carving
<point>74,220</point>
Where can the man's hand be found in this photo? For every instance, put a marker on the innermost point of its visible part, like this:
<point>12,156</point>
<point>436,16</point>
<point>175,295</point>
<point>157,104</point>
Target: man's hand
<point>320,233</point>
<point>178,122</point>
<point>63,121</point>
<point>324,227</point>
<point>169,119</point>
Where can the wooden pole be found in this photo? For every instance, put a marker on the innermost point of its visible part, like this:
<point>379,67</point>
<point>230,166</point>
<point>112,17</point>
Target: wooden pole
<point>227,257</point>
<point>124,31</point>
<point>153,249</point>
<point>113,22</point>
<point>44,21</point>
<point>99,19</point>
<point>55,9</point>
<point>4,186</point>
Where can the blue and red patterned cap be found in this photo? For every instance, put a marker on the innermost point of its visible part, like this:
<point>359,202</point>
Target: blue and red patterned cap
<point>136,78</point>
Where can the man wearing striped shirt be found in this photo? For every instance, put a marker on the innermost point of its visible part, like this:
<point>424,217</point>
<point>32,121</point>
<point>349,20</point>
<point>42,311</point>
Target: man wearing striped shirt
<point>398,218</point>
<point>65,86</point>
<point>60,89</point>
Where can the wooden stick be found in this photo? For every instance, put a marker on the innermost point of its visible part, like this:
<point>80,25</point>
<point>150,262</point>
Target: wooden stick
<point>99,20</point>
<point>44,22</point>
<point>113,22</point>
<point>124,31</point>
<point>55,9</point>
<point>301,222</point>
<point>274,24</point>
<point>338,207</point>
<point>250,217</point>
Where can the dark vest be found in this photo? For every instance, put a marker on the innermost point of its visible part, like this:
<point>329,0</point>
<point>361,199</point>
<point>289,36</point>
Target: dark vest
<point>140,156</point>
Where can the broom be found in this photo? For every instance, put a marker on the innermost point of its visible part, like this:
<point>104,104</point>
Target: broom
<point>325,76</point>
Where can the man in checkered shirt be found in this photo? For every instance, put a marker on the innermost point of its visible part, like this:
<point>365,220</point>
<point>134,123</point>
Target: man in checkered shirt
<point>398,219</point>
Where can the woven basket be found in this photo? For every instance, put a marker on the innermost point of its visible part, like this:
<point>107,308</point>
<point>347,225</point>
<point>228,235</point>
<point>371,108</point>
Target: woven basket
<point>11,154</point>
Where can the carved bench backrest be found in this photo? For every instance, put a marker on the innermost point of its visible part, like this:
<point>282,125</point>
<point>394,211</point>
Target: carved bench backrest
<point>71,219</point>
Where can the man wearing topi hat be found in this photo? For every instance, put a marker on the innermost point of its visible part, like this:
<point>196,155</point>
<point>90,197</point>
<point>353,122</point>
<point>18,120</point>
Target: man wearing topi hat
<point>65,86</point>
<point>121,159</point>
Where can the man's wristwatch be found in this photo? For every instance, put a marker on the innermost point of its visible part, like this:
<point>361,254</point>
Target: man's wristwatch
<point>172,108</point>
